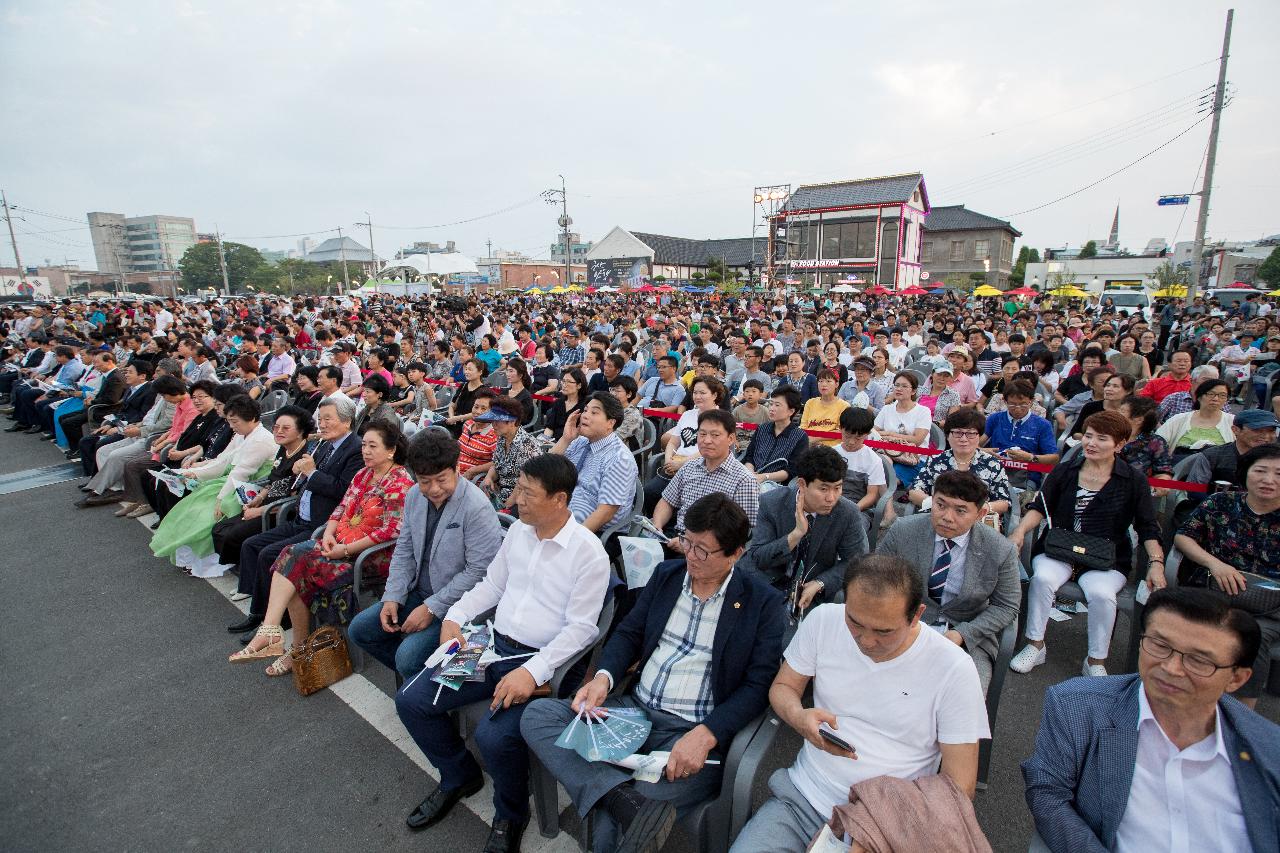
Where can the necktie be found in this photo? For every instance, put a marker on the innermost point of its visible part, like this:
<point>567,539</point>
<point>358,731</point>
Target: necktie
<point>321,456</point>
<point>802,550</point>
<point>938,580</point>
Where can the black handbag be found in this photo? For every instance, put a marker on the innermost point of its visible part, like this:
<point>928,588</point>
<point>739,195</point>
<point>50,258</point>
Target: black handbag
<point>1261,596</point>
<point>1079,550</point>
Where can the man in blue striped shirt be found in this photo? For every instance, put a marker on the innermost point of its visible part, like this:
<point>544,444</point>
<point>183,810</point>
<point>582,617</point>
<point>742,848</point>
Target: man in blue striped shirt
<point>607,473</point>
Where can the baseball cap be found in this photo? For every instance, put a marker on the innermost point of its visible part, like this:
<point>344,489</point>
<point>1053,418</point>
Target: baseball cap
<point>1255,419</point>
<point>864,363</point>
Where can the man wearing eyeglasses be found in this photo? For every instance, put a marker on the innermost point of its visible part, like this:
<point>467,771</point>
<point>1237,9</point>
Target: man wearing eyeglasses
<point>1164,759</point>
<point>698,682</point>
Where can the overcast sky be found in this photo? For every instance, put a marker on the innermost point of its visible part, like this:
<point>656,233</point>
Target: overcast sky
<point>274,118</point>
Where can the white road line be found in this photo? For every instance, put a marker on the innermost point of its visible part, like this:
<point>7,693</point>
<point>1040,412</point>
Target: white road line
<point>379,710</point>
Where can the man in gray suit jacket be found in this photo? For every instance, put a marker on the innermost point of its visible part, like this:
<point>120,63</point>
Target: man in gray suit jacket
<point>1164,759</point>
<point>970,571</point>
<point>807,533</point>
<point>448,536</point>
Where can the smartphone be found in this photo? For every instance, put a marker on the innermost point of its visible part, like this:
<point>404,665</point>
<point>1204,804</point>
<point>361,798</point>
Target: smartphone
<point>835,740</point>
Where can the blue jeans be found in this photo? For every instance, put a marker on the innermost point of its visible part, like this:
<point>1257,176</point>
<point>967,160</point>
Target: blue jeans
<point>405,653</point>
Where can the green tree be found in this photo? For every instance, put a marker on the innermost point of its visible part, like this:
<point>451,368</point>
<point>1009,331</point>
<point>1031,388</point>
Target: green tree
<point>200,268</point>
<point>1089,250</point>
<point>1269,270</point>
<point>1167,275</point>
<point>1019,272</point>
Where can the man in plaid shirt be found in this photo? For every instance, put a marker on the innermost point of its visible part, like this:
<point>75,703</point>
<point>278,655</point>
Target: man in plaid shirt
<point>697,688</point>
<point>717,470</point>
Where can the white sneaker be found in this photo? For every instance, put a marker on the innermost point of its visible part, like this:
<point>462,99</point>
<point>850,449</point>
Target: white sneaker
<point>240,596</point>
<point>1029,658</point>
<point>1093,669</point>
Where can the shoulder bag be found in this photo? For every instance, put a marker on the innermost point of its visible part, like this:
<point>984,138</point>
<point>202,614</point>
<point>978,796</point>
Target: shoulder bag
<point>1080,550</point>
<point>1261,596</point>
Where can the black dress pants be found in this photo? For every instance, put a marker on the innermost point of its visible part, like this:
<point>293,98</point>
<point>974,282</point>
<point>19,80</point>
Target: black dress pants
<point>258,553</point>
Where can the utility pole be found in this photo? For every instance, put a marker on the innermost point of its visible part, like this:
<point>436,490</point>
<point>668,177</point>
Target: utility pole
<point>1202,222</point>
<point>342,253</point>
<point>222,262</point>
<point>565,222</point>
<point>488,245</point>
<point>17,258</point>
<point>368,223</point>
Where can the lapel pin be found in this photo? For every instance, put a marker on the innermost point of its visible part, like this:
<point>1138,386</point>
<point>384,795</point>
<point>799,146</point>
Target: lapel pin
<point>1244,756</point>
<point>737,604</point>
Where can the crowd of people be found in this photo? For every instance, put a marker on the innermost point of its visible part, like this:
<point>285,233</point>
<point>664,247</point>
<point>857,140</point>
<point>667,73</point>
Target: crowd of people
<point>856,498</point>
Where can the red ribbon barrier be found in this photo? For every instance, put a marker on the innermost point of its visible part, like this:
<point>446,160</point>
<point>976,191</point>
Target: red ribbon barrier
<point>1038,467</point>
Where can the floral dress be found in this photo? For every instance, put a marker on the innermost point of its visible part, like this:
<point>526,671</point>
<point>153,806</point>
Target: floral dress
<point>986,466</point>
<point>1224,525</point>
<point>371,507</point>
<point>1149,454</point>
<point>508,457</point>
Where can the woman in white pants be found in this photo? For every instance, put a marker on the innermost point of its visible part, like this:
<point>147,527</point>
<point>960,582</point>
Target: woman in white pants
<point>1101,495</point>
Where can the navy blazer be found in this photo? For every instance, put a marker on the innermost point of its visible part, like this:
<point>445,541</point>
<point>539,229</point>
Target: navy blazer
<point>1079,776</point>
<point>329,482</point>
<point>745,654</point>
<point>137,403</point>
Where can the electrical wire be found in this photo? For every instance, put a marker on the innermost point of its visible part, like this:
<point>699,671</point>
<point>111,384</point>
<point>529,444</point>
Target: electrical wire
<point>507,209</point>
<point>1194,181</point>
<point>1173,112</point>
<point>1107,177</point>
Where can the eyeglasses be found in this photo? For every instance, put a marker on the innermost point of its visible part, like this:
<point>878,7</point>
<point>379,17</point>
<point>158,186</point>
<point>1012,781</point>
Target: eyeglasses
<point>963,433</point>
<point>1194,664</point>
<point>693,549</point>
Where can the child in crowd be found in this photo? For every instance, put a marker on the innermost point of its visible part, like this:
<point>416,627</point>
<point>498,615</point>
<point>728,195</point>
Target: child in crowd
<point>750,411</point>
<point>865,481</point>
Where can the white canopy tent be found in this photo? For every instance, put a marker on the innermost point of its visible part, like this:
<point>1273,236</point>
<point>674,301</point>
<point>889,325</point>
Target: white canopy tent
<point>435,263</point>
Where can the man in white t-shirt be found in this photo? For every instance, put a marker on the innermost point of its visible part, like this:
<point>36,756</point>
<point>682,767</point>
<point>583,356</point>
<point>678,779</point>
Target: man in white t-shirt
<point>902,697</point>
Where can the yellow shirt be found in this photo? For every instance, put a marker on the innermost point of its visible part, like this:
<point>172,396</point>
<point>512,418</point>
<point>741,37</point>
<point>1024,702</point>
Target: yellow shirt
<point>823,417</point>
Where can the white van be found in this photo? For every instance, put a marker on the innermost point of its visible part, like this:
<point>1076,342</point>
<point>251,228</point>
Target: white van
<point>1230,297</point>
<point>1129,301</point>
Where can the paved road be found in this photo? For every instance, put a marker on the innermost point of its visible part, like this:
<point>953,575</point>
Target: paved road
<point>127,730</point>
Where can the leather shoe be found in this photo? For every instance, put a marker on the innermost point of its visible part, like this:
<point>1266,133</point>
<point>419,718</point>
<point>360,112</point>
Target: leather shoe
<point>16,428</point>
<point>438,804</point>
<point>100,500</point>
<point>504,837</point>
<point>35,430</point>
<point>250,623</point>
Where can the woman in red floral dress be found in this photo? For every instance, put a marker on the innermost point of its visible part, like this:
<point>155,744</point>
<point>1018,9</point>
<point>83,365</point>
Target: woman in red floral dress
<point>315,576</point>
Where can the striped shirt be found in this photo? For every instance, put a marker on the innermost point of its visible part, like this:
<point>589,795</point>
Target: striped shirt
<point>677,677</point>
<point>607,475</point>
<point>767,446</point>
<point>694,481</point>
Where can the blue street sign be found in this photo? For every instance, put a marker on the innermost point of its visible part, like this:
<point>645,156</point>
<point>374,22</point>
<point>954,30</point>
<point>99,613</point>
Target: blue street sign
<point>1166,200</point>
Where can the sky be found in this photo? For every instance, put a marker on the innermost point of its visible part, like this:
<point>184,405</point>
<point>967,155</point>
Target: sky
<point>273,120</point>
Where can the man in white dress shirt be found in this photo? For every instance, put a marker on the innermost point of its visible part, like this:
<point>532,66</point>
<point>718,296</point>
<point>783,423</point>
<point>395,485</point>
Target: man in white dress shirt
<point>548,583</point>
<point>1161,760</point>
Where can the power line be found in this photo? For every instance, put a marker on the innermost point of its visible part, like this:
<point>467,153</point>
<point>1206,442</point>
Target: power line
<point>1107,177</point>
<point>507,209</point>
<point>1146,122</point>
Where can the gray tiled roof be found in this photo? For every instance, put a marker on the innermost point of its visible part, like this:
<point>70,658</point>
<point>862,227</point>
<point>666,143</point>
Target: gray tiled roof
<point>955,217</point>
<point>893,189</point>
<point>681,251</point>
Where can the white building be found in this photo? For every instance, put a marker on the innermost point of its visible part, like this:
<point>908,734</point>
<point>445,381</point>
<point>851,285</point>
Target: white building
<point>1094,274</point>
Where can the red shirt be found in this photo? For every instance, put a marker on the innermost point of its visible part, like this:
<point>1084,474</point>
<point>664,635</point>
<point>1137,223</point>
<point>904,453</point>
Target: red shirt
<point>1162,386</point>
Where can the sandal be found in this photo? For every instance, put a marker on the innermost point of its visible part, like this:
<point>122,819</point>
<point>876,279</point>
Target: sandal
<point>274,636</point>
<point>282,665</point>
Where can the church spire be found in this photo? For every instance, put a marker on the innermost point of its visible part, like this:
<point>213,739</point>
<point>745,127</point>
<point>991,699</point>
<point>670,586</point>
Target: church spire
<point>1113,241</point>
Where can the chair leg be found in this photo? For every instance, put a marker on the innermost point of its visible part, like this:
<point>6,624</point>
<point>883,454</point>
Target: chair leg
<point>544,788</point>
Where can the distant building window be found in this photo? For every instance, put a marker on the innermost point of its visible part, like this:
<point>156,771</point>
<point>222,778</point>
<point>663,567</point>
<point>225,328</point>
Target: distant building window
<point>926,251</point>
<point>957,250</point>
<point>981,249</point>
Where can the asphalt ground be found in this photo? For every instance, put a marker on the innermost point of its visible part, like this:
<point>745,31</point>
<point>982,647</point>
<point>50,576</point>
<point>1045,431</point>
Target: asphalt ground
<point>126,729</point>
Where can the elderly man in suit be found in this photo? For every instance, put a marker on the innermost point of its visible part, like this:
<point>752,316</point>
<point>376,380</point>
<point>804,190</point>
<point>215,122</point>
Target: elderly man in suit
<point>448,536</point>
<point>1162,759</point>
<point>807,533</point>
<point>969,570</point>
<point>697,681</point>
<point>323,477</point>
<point>111,391</point>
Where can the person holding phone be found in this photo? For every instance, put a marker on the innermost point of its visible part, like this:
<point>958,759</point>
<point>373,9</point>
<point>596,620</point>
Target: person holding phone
<point>891,697</point>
